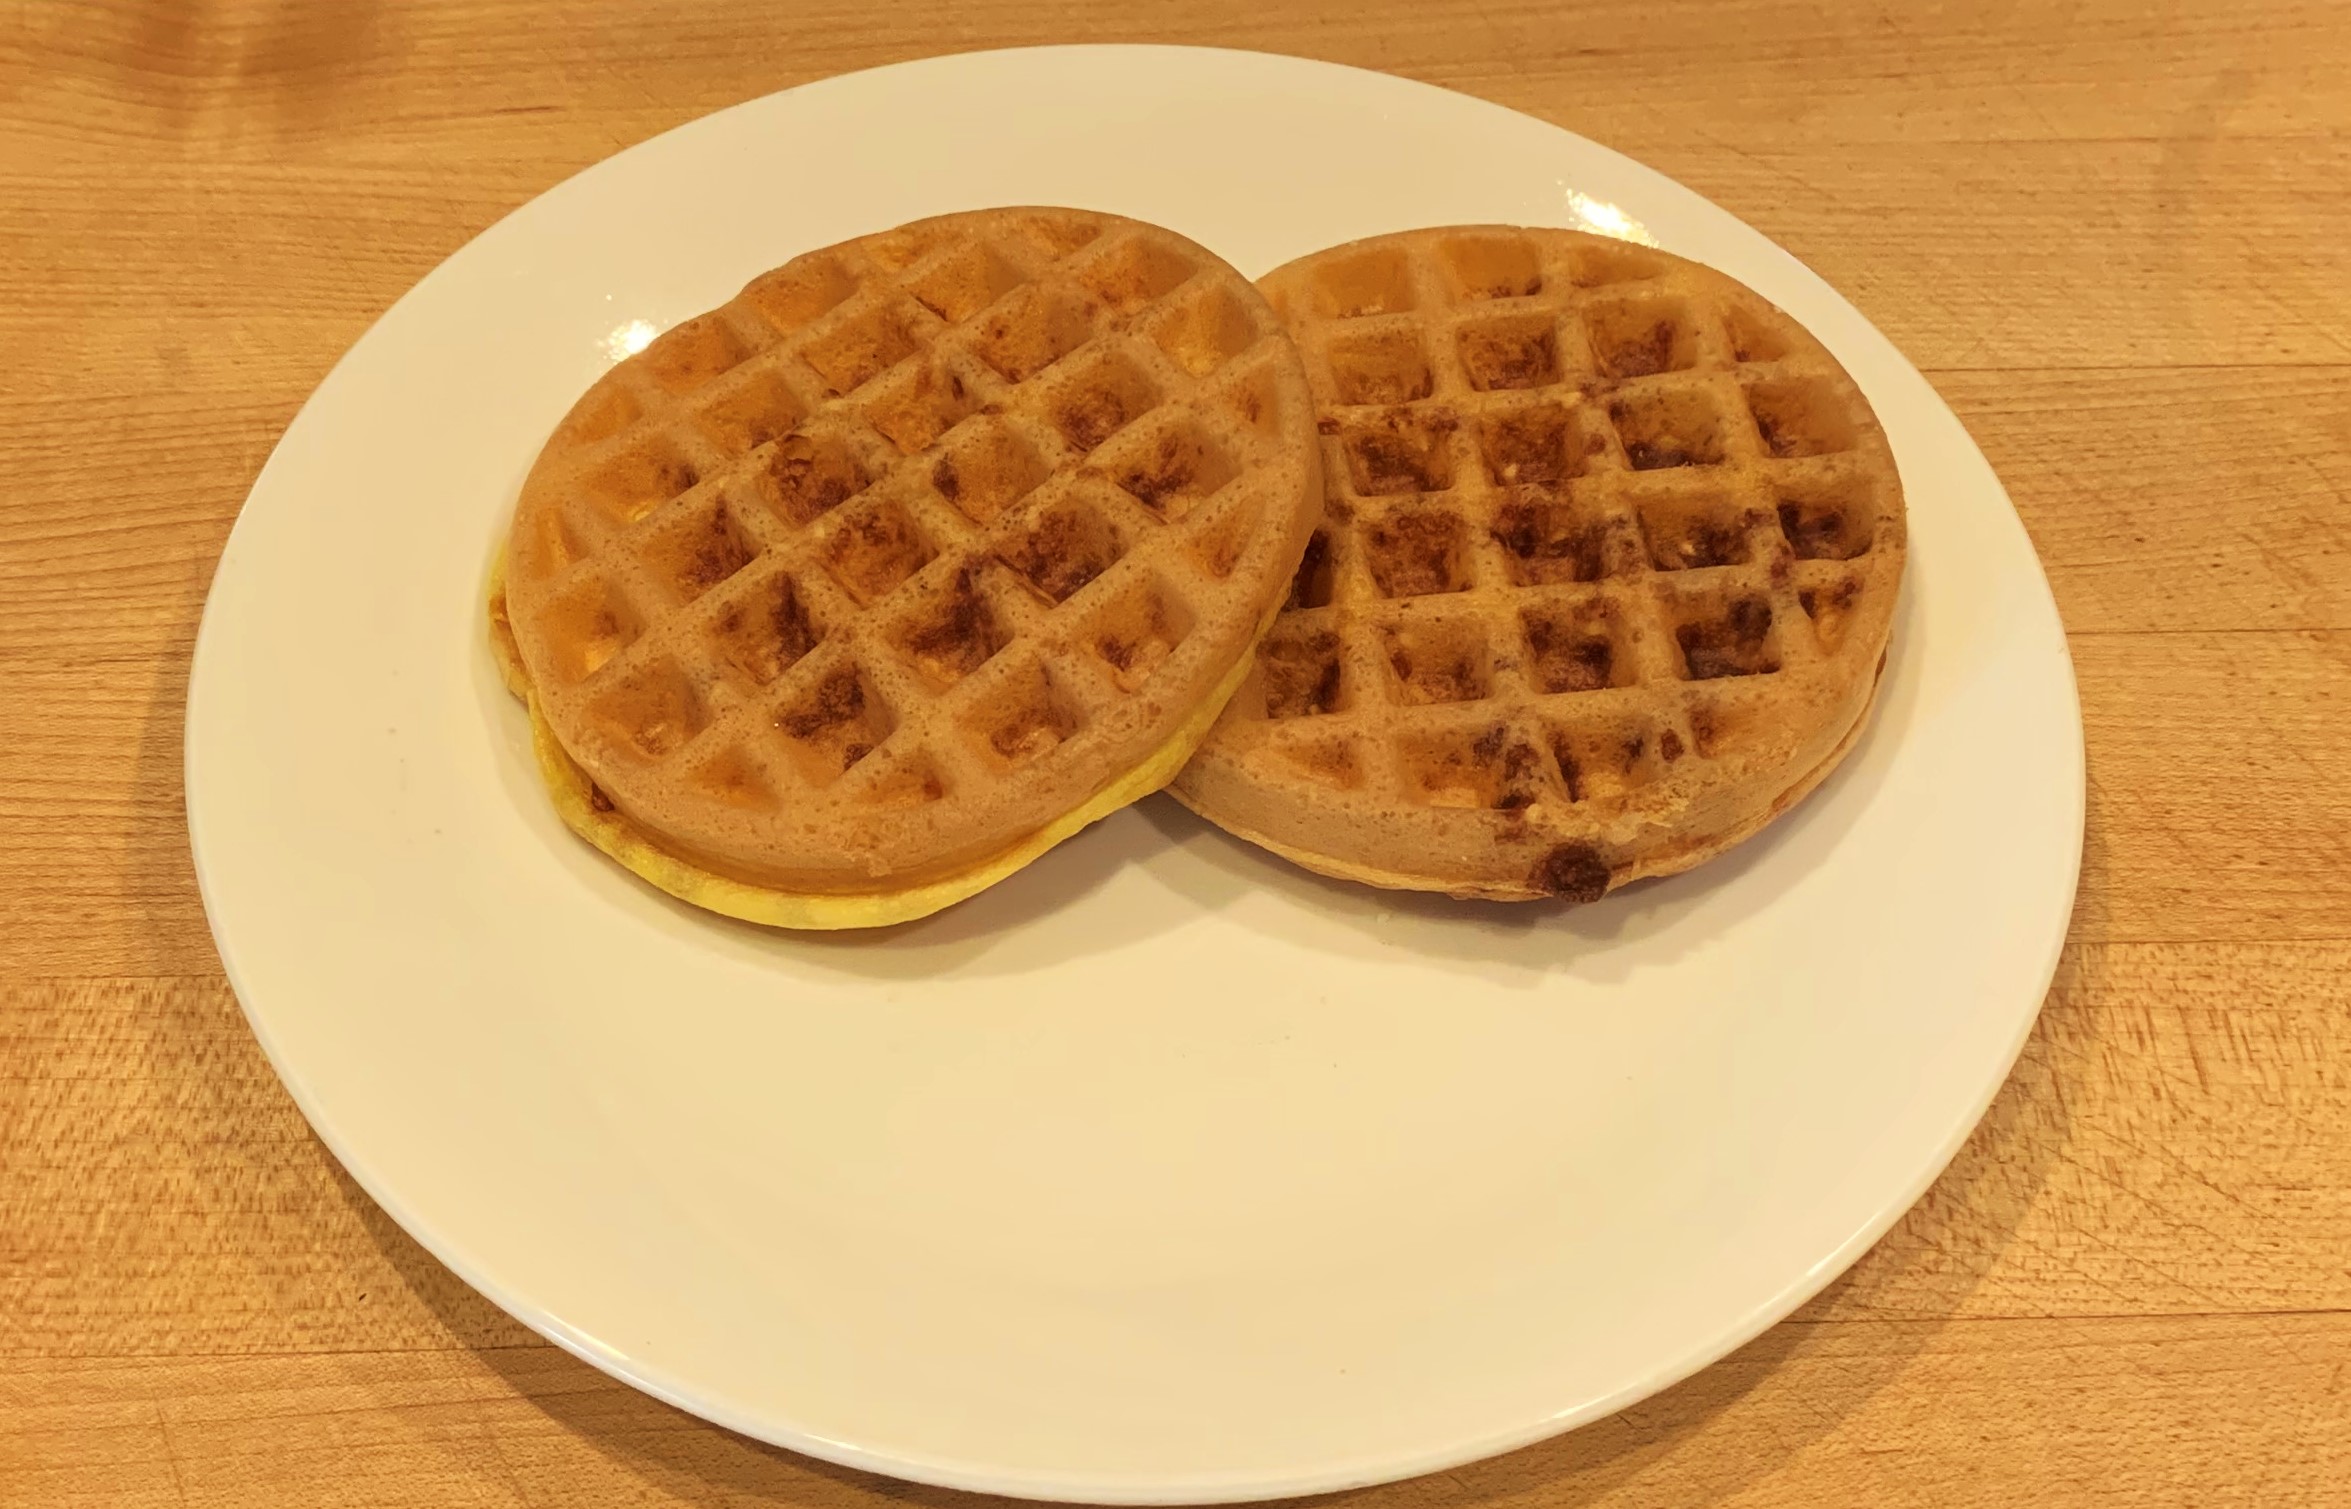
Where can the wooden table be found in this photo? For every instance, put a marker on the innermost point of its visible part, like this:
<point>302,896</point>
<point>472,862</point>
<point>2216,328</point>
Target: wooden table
<point>2117,236</point>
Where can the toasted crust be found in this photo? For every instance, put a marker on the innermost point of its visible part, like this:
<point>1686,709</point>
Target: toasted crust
<point>1655,865</point>
<point>914,549</point>
<point>588,812</point>
<point>1607,568</point>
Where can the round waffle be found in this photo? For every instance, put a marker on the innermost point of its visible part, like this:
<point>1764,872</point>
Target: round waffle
<point>1607,567</point>
<point>920,552</point>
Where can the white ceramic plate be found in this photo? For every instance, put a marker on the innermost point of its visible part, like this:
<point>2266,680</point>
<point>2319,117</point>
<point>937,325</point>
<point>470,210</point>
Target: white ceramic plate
<point>1162,1172</point>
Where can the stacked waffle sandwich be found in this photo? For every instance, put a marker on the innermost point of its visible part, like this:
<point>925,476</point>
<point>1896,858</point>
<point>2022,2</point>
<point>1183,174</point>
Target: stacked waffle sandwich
<point>1498,562</point>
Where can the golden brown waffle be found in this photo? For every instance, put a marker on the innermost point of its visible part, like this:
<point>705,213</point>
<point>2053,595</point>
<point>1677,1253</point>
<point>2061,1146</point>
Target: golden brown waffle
<point>914,546</point>
<point>1609,559</point>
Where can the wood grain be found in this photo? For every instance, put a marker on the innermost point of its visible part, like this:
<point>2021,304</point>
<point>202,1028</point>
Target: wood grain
<point>1852,1413</point>
<point>2117,236</point>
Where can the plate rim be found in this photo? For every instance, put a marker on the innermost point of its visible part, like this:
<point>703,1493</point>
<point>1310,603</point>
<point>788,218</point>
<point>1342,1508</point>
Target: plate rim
<point>1211,1487</point>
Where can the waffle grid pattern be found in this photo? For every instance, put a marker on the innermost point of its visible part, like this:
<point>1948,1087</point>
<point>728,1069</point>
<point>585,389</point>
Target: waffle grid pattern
<point>1602,531</point>
<point>983,505</point>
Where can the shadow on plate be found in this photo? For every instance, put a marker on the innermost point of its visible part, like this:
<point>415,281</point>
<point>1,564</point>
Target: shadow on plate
<point>1158,868</point>
<point>1155,869</point>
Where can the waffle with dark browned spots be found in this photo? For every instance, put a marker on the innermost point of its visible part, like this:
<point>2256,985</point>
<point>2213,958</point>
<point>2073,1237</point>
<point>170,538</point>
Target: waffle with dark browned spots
<point>915,546</point>
<point>1604,582</point>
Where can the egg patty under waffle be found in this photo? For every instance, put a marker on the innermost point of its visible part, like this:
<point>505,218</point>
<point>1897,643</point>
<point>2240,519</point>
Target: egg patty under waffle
<point>1608,564</point>
<point>849,597</point>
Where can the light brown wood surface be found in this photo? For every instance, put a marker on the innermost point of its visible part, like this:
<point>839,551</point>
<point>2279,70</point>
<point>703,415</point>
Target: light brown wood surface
<point>2115,233</point>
